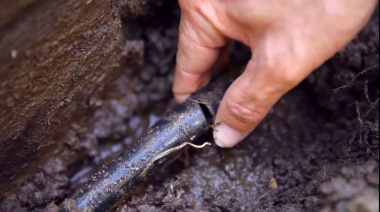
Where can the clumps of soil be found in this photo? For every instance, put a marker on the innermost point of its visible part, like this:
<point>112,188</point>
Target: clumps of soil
<point>356,188</point>
<point>43,187</point>
<point>51,181</point>
<point>167,198</point>
<point>347,88</point>
<point>329,122</point>
<point>114,119</point>
<point>317,149</point>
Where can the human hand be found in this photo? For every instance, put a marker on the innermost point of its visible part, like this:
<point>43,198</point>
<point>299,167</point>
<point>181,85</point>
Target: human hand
<point>288,40</point>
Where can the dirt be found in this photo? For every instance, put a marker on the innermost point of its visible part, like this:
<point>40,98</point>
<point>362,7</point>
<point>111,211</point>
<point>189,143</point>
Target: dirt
<point>318,149</point>
<point>56,57</point>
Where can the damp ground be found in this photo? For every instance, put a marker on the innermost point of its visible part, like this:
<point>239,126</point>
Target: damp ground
<point>318,149</point>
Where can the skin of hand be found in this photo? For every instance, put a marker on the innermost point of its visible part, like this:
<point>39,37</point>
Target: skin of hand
<point>288,40</point>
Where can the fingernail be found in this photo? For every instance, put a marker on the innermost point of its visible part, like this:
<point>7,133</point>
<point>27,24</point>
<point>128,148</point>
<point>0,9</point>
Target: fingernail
<point>181,97</point>
<point>225,136</point>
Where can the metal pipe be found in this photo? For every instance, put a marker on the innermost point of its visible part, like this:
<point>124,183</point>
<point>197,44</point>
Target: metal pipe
<point>177,128</point>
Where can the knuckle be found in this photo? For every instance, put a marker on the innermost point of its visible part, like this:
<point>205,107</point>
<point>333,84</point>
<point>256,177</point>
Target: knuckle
<point>289,78</point>
<point>283,61</point>
<point>283,70</point>
<point>245,112</point>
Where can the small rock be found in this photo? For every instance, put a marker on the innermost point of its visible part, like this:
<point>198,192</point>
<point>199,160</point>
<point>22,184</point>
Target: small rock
<point>273,183</point>
<point>364,203</point>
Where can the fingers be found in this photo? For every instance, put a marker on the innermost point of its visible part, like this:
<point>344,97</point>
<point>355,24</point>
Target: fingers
<point>247,102</point>
<point>223,60</point>
<point>198,49</point>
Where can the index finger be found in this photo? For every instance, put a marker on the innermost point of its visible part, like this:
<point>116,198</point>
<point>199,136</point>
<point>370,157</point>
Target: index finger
<point>197,52</point>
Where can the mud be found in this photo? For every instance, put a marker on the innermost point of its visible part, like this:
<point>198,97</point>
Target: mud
<point>55,57</point>
<point>318,149</point>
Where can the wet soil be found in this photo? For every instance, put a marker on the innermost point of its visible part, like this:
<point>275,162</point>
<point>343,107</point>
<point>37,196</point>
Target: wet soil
<point>56,56</point>
<point>318,149</point>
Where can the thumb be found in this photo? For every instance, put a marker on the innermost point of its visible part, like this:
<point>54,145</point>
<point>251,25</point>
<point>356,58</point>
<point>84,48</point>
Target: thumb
<point>247,101</point>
